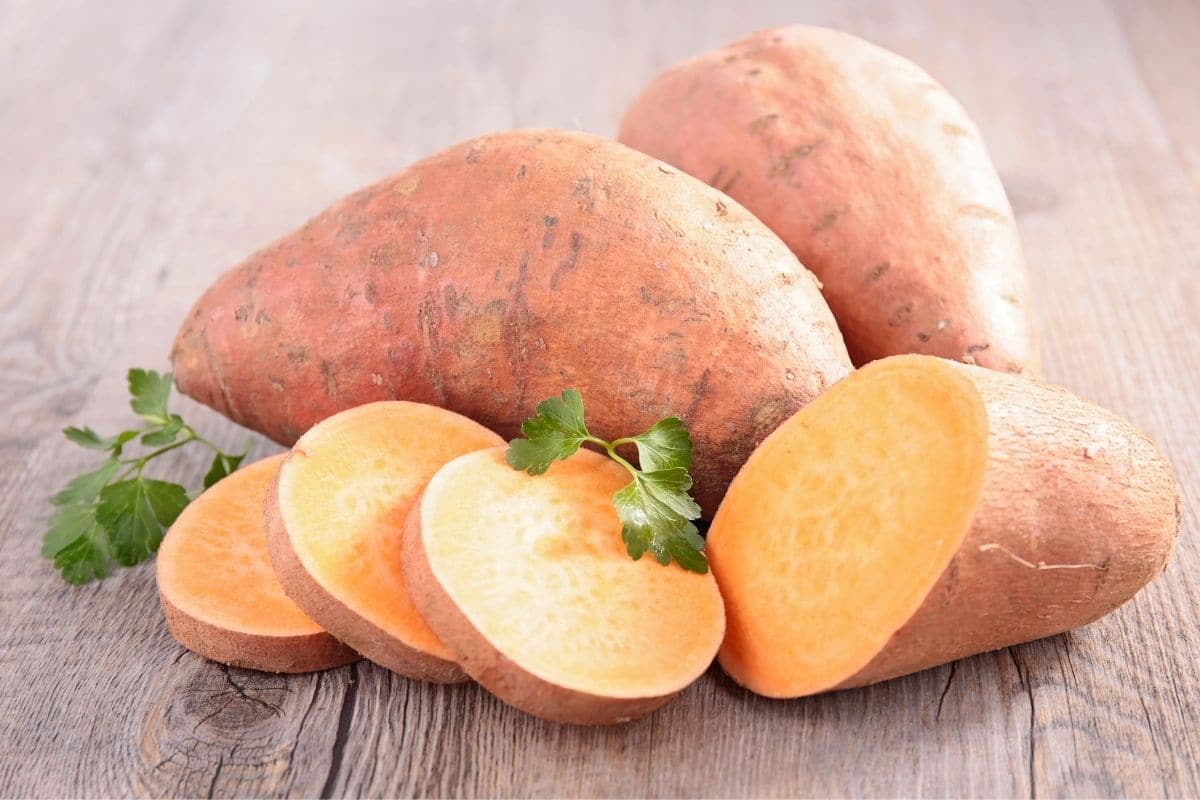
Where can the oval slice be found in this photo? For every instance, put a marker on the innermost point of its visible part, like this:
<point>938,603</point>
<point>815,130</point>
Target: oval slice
<point>220,595</point>
<point>526,580</point>
<point>336,517</point>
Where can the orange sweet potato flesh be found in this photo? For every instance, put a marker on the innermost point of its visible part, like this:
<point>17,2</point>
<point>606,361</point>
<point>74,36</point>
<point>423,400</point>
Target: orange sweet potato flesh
<point>500,271</point>
<point>526,580</point>
<point>220,595</point>
<point>921,511</point>
<point>336,519</point>
<point>874,176</point>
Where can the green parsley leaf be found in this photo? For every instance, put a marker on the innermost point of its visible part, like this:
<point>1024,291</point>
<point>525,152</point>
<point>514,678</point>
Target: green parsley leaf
<point>65,526</point>
<point>656,512</point>
<point>85,558</point>
<point>135,513</point>
<point>166,434</point>
<point>655,509</point>
<point>86,437</point>
<point>222,465</point>
<point>148,391</point>
<point>106,515</point>
<point>556,432</point>
<point>84,489</point>
<point>665,445</point>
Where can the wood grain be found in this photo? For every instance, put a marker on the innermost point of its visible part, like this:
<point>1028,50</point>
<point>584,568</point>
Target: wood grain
<point>145,147</point>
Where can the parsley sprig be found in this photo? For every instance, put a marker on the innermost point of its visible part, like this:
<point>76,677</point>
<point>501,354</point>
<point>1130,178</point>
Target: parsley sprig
<point>655,509</point>
<point>114,513</point>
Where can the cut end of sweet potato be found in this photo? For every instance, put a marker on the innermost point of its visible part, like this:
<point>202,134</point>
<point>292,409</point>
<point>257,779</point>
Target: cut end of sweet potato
<point>336,519</point>
<point>842,522</point>
<point>526,580</point>
<point>220,595</point>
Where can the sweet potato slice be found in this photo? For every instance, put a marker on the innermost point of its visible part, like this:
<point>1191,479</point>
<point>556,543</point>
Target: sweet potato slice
<point>921,511</point>
<point>527,582</point>
<point>336,518</point>
<point>218,591</point>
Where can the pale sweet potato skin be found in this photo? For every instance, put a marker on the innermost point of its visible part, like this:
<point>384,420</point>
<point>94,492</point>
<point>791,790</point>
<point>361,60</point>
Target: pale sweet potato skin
<point>291,654</point>
<point>491,668</point>
<point>505,269</point>
<point>1068,485</point>
<point>873,175</point>
<point>327,611</point>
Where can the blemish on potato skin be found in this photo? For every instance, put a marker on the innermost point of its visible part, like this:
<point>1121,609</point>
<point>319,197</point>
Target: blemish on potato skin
<point>829,219</point>
<point>722,209</point>
<point>241,314</point>
<point>520,172</point>
<point>262,318</point>
<point>297,358</point>
<point>955,130</point>
<point>548,237</point>
<point>900,315</point>
<point>570,262</point>
<point>763,122</point>
<point>370,293</point>
<point>982,212</point>
<point>782,166</point>
<point>331,387</point>
<point>728,187</point>
<point>877,271</point>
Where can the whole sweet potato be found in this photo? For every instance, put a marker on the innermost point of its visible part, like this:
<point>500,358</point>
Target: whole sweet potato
<point>874,176</point>
<point>505,269</point>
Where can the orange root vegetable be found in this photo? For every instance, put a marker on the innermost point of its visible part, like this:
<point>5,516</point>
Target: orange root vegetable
<point>528,583</point>
<point>921,511</point>
<point>335,518</point>
<point>218,591</point>
<point>874,176</point>
<point>506,268</point>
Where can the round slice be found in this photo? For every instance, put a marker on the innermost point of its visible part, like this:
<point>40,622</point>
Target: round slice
<point>336,518</point>
<point>526,580</point>
<point>220,595</point>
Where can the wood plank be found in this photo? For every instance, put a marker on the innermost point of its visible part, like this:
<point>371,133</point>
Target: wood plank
<point>144,148</point>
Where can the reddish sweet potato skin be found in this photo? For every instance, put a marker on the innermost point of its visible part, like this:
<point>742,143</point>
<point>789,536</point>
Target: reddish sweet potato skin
<point>505,269</point>
<point>873,175</point>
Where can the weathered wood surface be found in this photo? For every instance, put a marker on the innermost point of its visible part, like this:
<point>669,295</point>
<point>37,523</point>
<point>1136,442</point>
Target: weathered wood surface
<point>144,147</point>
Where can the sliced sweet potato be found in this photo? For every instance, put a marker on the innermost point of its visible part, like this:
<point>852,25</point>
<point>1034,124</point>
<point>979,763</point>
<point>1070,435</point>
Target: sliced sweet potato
<point>527,582</point>
<point>335,518</point>
<point>921,511</point>
<point>218,591</point>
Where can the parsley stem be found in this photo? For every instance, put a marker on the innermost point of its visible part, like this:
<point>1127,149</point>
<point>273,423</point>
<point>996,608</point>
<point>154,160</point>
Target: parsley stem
<point>611,447</point>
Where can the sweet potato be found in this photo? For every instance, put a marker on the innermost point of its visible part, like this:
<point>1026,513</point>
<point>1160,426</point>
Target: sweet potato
<point>335,518</point>
<point>218,591</point>
<point>921,511</point>
<point>504,269</point>
<point>873,175</point>
<point>527,582</point>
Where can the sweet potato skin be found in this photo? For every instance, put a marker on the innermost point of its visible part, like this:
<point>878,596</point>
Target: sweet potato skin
<point>505,269</point>
<point>288,654</point>
<point>1078,512</point>
<point>873,175</point>
<point>482,661</point>
<point>385,650</point>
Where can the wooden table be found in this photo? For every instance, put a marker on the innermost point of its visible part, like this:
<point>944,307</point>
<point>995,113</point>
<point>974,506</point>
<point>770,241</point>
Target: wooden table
<point>145,147</point>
